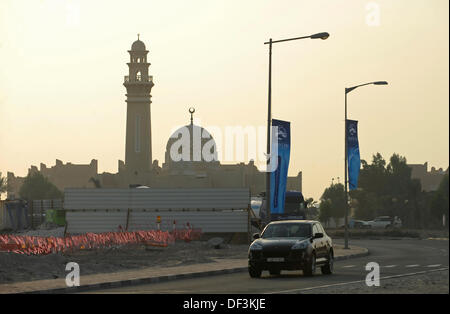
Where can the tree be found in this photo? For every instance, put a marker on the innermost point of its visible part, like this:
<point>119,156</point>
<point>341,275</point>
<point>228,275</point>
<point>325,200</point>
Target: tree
<point>310,202</point>
<point>311,208</point>
<point>440,204</point>
<point>325,211</point>
<point>365,204</point>
<point>96,182</point>
<point>335,195</point>
<point>389,190</point>
<point>36,187</point>
<point>373,178</point>
<point>3,186</point>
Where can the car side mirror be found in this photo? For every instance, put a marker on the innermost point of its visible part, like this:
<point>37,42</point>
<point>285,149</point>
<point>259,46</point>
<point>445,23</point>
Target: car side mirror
<point>256,236</point>
<point>318,235</point>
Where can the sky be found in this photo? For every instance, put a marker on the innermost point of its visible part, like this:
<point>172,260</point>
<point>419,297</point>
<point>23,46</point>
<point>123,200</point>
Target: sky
<point>62,64</point>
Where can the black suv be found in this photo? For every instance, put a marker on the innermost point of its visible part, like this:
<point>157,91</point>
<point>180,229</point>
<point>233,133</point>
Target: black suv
<point>291,245</point>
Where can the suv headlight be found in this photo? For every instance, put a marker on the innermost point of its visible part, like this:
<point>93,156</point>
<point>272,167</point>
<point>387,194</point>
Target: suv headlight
<point>256,246</point>
<point>300,245</point>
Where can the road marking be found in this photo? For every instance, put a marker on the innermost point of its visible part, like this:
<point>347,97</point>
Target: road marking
<point>348,266</point>
<point>358,281</point>
<point>389,266</point>
<point>435,265</point>
<point>414,265</point>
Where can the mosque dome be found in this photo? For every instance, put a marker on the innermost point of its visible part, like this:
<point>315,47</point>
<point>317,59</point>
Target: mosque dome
<point>192,144</point>
<point>138,45</point>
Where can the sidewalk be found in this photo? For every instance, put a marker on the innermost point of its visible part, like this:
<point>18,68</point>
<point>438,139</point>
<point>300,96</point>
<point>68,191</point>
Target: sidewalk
<point>150,275</point>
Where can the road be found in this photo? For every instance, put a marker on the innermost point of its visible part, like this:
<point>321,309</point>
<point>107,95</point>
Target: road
<point>405,258</point>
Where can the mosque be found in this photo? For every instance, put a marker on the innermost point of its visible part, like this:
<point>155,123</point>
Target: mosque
<point>139,168</point>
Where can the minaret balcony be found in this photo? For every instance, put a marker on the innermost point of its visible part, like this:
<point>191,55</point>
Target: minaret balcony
<point>138,79</point>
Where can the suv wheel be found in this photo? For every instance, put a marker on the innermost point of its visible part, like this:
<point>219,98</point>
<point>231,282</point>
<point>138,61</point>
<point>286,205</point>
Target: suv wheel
<point>254,272</point>
<point>327,269</point>
<point>310,268</point>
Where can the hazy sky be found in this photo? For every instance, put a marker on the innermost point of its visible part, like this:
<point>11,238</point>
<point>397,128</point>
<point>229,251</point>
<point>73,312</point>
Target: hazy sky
<point>62,64</point>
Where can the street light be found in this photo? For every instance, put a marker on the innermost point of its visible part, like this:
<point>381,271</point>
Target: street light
<point>322,36</point>
<point>348,90</point>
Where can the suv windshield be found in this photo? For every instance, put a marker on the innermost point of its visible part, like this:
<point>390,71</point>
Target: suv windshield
<point>287,230</point>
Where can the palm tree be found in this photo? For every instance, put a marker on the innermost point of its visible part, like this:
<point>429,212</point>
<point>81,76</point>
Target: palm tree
<point>311,208</point>
<point>96,182</point>
<point>310,202</point>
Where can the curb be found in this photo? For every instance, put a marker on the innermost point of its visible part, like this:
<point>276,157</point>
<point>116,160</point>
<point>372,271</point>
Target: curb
<point>150,280</point>
<point>140,281</point>
<point>362,254</point>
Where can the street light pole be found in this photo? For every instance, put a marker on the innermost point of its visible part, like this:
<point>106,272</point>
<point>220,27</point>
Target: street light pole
<point>269,122</point>
<point>322,36</point>
<point>348,90</point>
<point>345,177</point>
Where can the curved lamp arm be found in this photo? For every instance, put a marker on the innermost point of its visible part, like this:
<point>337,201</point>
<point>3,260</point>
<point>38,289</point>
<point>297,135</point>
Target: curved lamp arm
<point>349,89</point>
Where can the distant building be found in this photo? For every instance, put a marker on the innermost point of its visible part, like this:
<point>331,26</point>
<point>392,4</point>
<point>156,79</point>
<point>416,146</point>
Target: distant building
<point>61,175</point>
<point>139,168</point>
<point>430,180</point>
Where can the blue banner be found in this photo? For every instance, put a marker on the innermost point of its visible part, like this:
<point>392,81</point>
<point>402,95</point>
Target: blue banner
<point>281,149</point>
<point>353,158</point>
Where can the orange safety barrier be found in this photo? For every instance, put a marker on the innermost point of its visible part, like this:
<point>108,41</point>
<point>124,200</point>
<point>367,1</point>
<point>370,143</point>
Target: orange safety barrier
<point>31,245</point>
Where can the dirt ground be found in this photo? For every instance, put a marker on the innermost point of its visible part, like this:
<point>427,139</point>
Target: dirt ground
<point>16,267</point>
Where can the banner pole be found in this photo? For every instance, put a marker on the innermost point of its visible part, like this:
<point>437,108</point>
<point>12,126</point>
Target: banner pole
<point>269,120</point>
<point>345,180</point>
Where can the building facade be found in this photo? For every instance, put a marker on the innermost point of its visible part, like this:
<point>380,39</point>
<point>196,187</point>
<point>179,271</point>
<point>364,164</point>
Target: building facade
<point>429,180</point>
<point>61,175</point>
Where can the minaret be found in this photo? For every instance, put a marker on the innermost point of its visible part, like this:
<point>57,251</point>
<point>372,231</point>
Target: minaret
<point>138,147</point>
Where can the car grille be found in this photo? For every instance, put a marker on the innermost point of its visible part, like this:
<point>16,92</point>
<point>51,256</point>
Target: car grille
<point>294,254</point>
<point>276,253</point>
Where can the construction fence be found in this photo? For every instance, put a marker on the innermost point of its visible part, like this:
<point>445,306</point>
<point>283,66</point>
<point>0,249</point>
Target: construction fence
<point>105,220</point>
<point>19,214</point>
<point>104,210</point>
